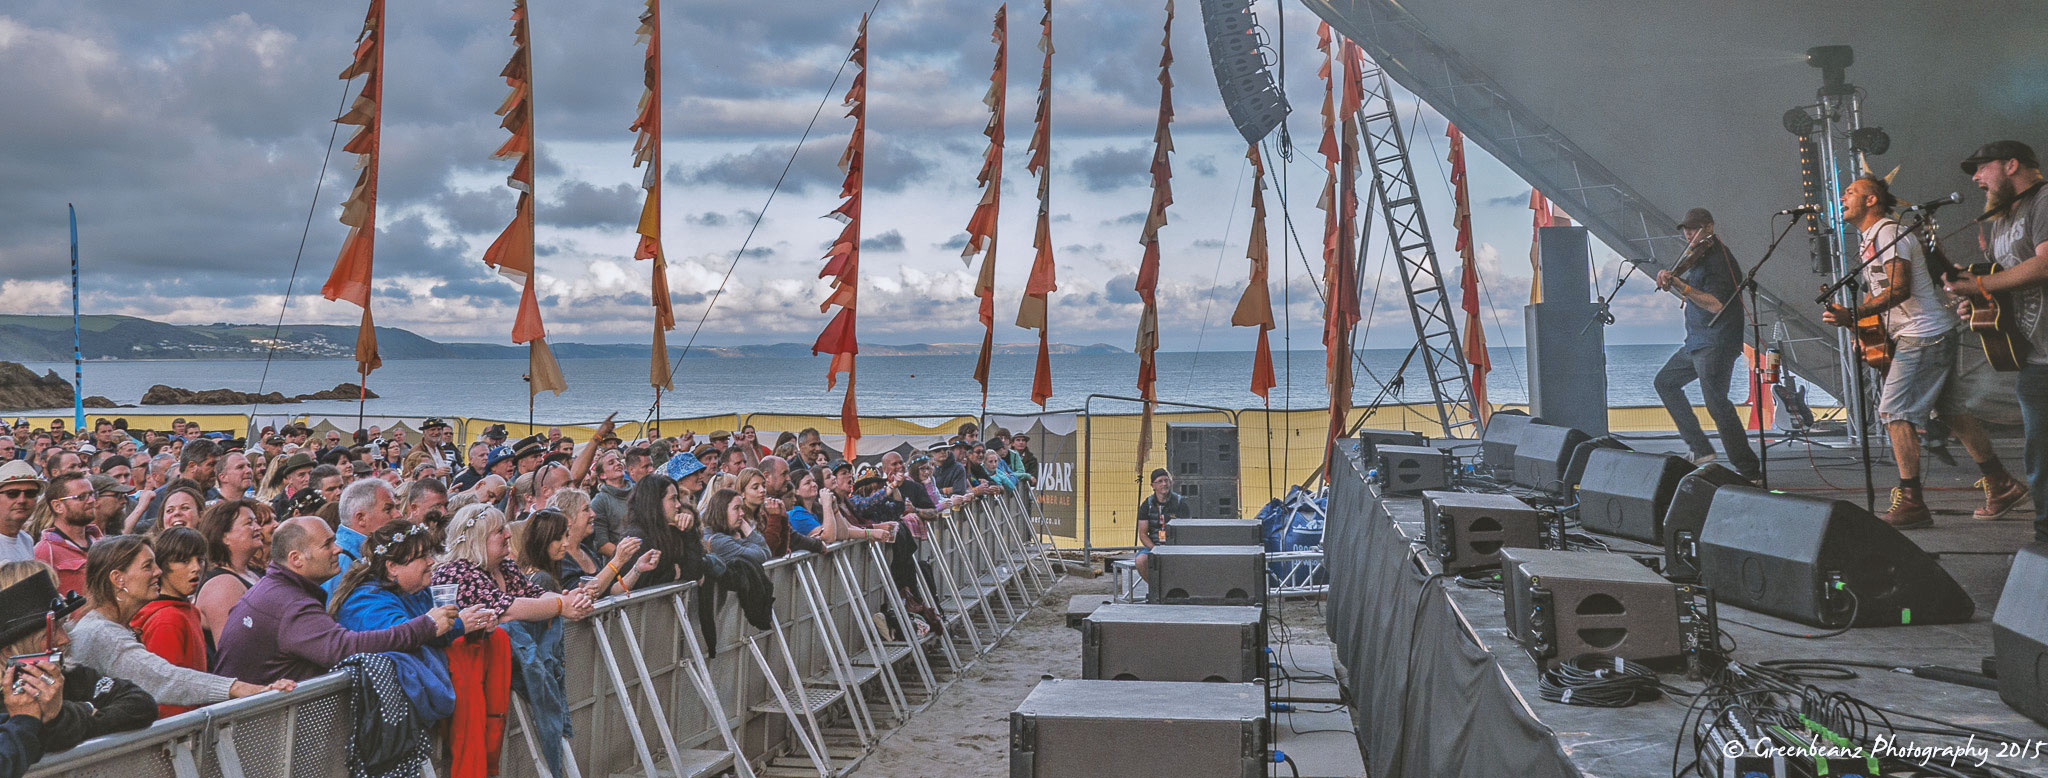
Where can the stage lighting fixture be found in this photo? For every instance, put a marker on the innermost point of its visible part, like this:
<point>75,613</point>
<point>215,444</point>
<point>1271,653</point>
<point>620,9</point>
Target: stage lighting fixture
<point>1799,122</point>
<point>1870,140</point>
<point>1834,62</point>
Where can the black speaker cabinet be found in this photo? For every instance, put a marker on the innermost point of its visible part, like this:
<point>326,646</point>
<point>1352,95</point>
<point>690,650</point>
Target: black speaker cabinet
<point>1626,493</point>
<point>1214,498</point>
<point>2019,634</point>
<point>1575,472</point>
<point>1818,561</point>
<point>1410,469</point>
<point>1543,455</point>
<point>1497,444</point>
<point>1687,514</point>
<point>1140,729</point>
<point>1561,604</point>
<point>1215,532</point>
<point>1467,530</point>
<point>1207,575</point>
<point>1137,642</point>
<point>1374,438</point>
<point>1201,450</point>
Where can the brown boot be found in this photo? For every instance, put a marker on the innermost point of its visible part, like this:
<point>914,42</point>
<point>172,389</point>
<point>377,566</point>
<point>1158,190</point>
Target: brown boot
<point>2001,495</point>
<point>1908,510</point>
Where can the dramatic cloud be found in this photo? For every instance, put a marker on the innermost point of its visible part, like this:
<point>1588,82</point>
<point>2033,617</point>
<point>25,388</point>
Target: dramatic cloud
<point>1104,170</point>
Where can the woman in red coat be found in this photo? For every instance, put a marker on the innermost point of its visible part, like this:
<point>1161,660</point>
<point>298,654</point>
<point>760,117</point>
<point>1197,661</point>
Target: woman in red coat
<point>169,626</point>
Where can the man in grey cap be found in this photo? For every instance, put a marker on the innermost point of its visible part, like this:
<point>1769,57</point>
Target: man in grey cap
<point>2016,235</point>
<point>19,487</point>
<point>1710,350</point>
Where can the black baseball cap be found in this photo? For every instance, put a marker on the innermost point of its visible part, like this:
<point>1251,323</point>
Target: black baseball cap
<point>1998,150</point>
<point>1697,218</point>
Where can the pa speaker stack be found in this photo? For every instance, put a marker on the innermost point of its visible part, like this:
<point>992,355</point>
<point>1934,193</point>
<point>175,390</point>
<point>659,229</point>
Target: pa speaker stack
<point>1543,454</point>
<point>2019,634</point>
<point>1820,562</point>
<point>1214,532</point>
<point>1561,604</point>
<point>1626,493</point>
<point>1133,642</point>
<point>1143,729</point>
<point>1207,575</point>
<point>1687,514</point>
<point>1467,530</point>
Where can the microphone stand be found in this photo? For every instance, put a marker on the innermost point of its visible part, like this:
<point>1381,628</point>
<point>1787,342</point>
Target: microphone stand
<point>1603,317</point>
<point>1756,332</point>
<point>1855,315</point>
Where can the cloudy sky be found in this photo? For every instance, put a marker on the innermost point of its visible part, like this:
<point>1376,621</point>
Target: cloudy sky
<point>190,136</point>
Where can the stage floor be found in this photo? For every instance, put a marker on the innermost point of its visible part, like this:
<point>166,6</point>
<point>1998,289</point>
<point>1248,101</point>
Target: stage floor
<point>1639,741</point>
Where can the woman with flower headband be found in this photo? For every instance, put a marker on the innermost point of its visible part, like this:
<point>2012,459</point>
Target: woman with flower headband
<point>478,560</point>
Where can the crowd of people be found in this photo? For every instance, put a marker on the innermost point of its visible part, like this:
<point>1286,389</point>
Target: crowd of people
<point>146,573</point>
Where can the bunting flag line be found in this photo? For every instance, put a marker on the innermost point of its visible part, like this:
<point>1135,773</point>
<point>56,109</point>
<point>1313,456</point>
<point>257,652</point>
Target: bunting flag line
<point>1340,271</point>
<point>1468,277</point>
<point>647,153</point>
<point>981,227</point>
<point>1039,286</point>
<point>842,261</point>
<point>1155,218</point>
<point>512,253</point>
<point>350,279</point>
<point>1255,306</point>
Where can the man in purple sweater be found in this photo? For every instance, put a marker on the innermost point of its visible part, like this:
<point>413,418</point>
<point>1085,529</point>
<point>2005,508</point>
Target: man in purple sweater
<point>280,628</point>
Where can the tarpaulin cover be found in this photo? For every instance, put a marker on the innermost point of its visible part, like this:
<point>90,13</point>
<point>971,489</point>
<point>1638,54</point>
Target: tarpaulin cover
<point>1430,702</point>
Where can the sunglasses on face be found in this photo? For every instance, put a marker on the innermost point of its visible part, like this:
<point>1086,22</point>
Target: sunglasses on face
<point>19,494</point>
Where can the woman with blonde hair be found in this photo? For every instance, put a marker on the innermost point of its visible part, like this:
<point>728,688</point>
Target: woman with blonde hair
<point>717,482</point>
<point>478,560</point>
<point>94,704</point>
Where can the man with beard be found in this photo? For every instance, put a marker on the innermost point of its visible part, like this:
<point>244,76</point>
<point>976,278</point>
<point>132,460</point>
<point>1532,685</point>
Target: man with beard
<point>68,502</point>
<point>2016,237</point>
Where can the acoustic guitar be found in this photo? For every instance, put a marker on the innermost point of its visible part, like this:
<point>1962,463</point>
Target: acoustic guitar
<point>1873,340</point>
<point>1992,316</point>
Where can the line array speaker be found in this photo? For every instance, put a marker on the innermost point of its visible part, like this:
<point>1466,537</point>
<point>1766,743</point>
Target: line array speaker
<point>1467,530</point>
<point>1410,469</point>
<point>1561,604</point>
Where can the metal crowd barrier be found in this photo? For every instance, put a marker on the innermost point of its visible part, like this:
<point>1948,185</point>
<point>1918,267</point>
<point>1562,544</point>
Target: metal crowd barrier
<point>648,696</point>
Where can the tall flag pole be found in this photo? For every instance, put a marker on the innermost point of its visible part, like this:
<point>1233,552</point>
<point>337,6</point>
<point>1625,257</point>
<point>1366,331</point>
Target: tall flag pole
<point>350,279</point>
<point>842,261</point>
<point>647,153</point>
<point>1340,273</point>
<point>1468,277</point>
<point>1148,267</point>
<point>77,352</point>
<point>1255,306</point>
<point>1039,286</point>
<point>512,252</point>
<point>981,227</point>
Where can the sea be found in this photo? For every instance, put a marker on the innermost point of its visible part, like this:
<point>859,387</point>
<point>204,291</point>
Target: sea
<point>915,386</point>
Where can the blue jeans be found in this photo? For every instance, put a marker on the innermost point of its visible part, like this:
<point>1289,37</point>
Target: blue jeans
<point>2033,388</point>
<point>1712,368</point>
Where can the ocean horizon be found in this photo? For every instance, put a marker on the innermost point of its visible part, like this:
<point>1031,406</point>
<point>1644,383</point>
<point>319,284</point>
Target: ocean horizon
<point>888,386</point>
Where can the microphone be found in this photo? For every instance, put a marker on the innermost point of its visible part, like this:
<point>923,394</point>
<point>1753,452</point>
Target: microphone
<point>1931,205</point>
<point>1799,211</point>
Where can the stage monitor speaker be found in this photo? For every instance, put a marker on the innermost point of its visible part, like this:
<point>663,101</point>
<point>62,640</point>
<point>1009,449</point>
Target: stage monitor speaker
<point>1820,562</point>
<point>1373,439</point>
<point>1210,643</point>
<point>1410,469</point>
<point>2019,634</point>
<point>1544,452</point>
<point>1467,530</point>
<point>1687,514</point>
<point>1575,472</point>
<point>1626,493</point>
<point>1497,444</point>
<point>1200,730</point>
<point>1561,604</point>
<point>1207,575</point>
<point>1215,532</point>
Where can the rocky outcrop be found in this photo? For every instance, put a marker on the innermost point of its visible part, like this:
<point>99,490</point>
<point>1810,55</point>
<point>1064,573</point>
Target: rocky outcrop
<point>21,390</point>
<point>169,395</point>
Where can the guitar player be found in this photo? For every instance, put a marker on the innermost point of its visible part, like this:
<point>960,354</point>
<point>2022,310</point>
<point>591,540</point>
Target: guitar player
<point>1922,331</point>
<point>2016,226</point>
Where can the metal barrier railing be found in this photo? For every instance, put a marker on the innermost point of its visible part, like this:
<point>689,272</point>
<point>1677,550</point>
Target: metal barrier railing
<point>646,695</point>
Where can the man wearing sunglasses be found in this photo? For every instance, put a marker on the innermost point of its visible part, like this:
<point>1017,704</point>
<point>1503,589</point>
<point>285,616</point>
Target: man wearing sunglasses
<point>18,489</point>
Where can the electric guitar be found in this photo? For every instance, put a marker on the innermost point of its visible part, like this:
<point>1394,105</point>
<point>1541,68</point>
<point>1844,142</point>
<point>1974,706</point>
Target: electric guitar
<point>1992,316</point>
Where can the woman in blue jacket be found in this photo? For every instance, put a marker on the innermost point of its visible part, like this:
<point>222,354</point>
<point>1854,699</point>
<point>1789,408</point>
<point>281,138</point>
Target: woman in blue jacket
<point>389,587</point>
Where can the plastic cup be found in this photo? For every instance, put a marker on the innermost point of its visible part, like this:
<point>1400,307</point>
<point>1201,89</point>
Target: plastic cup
<point>444,594</point>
